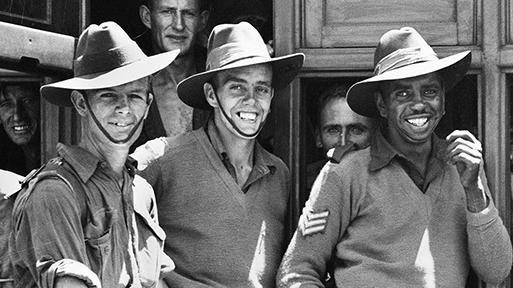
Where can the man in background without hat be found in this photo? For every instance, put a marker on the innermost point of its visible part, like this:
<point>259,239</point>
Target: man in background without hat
<point>338,129</point>
<point>221,196</point>
<point>411,210</point>
<point>85,219</point>
<point>173,24</point>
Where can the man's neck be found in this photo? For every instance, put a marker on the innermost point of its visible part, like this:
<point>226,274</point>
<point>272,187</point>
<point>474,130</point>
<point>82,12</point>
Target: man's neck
<point>417,153</point>
<point>182,67</point>
<point>31,154</point>
<point>114,155</point>
<point>239,150</point>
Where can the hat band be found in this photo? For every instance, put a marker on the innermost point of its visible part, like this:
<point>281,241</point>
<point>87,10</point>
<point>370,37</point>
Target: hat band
<point>233,52</point>
<point>403,57</point>
<point>108,60</point>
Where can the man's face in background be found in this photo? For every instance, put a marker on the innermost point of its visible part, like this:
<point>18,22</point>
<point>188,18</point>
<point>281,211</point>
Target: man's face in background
<point>19,111</point>
<point>339,126</point>
<point>174,24</point>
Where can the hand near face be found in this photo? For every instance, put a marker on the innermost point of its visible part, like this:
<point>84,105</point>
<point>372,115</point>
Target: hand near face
<point>465,151</point>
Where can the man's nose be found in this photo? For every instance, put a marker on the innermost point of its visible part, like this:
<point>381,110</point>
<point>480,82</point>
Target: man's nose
<point>19,111</point>
<point>250,97</point>
<point>343,138</point>
<point>418,103</point>
<point>178,22</point>
<point>122,105</point>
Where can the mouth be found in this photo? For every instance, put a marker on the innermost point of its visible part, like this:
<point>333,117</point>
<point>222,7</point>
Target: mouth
<point>122,124</point>
<point>177,38</point>
<point>418,122</point>
<point>21,128</point>
<point>248,116</point>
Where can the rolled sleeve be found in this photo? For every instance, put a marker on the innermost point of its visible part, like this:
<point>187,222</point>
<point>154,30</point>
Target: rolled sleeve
<point>489,243</point>
<point>47,229</point>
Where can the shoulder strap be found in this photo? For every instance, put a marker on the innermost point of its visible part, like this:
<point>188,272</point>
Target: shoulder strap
<point>336,154</point>
<point>56,168</point>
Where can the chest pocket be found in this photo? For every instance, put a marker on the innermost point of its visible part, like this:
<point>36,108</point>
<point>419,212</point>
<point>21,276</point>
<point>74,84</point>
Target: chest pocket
<point>150,256</point>
<point>98,238</point>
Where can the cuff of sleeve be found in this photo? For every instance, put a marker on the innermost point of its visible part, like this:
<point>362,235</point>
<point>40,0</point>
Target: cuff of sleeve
<point>484,217</point>
<point>72,268</point>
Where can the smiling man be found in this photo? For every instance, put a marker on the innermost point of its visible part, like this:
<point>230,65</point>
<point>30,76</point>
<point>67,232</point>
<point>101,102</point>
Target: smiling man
<point>411,210</point>
<point>337,126</point>
<point>85,219</point>
<point>222,197</point>
<point>173,24</point>
<point>19,115</point>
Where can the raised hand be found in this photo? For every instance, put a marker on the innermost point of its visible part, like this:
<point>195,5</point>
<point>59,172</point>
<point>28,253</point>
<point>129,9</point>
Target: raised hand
<point>466,152</point>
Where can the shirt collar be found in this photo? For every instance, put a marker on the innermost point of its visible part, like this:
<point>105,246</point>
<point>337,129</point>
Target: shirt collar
<point>85,163</point>
<point>382,152</point>
<point>261,156</point>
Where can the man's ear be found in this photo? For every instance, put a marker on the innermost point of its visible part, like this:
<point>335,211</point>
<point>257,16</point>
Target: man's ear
<point>380,104</point>
<point>148,104</point>
<point>203,17</point>
<point>210,96</point>
<point>318,140</point>
<point>78,100</point>
<point>145,15</point>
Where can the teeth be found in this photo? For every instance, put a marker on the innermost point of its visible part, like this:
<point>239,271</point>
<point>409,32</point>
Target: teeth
<point>121,125</point>
<point>21,128</point>
<point>419,122</point>
<point>247,116</point>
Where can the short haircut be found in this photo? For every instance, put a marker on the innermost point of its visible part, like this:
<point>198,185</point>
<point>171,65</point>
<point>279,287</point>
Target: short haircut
<point>336,91</point>
<point>31,85</point>
<point>205,5</point>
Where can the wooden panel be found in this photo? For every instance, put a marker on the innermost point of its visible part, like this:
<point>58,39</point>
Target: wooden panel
<point>61,16</point>
<point>357,59</point>
<point>507,14</point>
<point>350,23</point>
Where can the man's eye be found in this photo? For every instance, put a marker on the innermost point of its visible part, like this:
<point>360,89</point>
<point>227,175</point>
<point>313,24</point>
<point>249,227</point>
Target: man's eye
<point>356,131</point>
<point>28,101</point>
<point>108,95</point>
<point>402,94</point>
<point>137,97</point>
<point>431,93</point>
<point>189,13</point>
<point>333,130</point>
<point>237,88</point>
<point>263,90</point>
<point>6,104</point>
<point>169,12</point>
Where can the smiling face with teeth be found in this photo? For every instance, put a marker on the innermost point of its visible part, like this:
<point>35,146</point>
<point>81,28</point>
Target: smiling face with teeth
<point>19,111</point>
<point>118,110</point>
<point>245,94</point>
<point>412,108</point>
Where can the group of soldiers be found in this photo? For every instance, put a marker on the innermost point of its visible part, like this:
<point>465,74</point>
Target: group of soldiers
<point>392,206</point>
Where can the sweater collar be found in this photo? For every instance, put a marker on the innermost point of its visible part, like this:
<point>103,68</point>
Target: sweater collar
<point>382,152</point>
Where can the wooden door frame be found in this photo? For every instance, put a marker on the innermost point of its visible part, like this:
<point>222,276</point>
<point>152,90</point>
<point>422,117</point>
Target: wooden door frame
<point>492,61</point>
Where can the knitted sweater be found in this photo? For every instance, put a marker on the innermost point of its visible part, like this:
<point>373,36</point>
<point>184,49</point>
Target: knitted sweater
<point>382,231</point>
<point>219,236</point>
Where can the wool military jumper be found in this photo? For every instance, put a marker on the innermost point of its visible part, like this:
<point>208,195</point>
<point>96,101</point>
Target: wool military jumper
<point>383,231</point>
<point>219,236</point>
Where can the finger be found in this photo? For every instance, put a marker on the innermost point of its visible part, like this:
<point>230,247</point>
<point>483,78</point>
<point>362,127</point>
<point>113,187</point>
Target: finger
<point>461,141</point>
<point>465,158</point>
<point>466,150</point>
<point>462,134</point>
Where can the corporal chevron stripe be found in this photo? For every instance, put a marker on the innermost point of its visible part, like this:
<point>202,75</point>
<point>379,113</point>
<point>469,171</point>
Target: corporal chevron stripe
<point>312,222</point>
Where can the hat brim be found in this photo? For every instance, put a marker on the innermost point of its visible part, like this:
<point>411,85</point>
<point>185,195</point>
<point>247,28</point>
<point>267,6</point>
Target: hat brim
<point>285,69</point>
<point>360,95</point>
<point>58,93</point>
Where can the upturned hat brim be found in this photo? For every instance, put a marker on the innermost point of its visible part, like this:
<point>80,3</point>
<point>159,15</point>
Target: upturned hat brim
<point>360,96</point>
<point>285,69</point>
<point>58,93</point>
